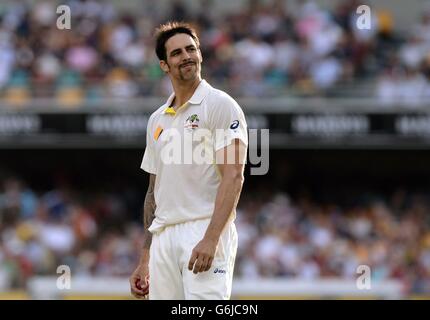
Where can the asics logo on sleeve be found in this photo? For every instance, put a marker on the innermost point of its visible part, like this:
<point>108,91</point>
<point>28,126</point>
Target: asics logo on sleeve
<point>219,270</point>
<point>234,125</point>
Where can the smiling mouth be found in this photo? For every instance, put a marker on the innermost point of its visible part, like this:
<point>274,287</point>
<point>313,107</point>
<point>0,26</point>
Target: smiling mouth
<point>187,65</point>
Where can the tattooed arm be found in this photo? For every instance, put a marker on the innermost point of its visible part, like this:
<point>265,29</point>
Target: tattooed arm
<point>139,279</point>
<point>148,215</point>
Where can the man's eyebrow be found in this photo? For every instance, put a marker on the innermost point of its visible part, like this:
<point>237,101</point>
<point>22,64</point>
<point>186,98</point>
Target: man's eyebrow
<point>174,51</point>
<point>179,49</point>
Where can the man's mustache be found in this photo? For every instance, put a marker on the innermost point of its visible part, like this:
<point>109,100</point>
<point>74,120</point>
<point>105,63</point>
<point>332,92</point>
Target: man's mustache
<point>191,62</point>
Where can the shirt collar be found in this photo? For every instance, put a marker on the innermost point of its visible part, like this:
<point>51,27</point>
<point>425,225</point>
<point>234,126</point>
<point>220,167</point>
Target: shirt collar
<point>197,98</point>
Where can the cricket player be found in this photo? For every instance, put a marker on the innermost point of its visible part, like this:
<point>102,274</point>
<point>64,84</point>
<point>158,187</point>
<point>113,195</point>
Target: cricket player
<point>190,239</point>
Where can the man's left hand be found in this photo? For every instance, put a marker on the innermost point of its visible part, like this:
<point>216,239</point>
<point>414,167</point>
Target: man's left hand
<point>202,255</point>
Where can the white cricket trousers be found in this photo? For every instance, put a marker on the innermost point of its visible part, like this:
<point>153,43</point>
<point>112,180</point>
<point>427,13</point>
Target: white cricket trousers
<point>170,253</point>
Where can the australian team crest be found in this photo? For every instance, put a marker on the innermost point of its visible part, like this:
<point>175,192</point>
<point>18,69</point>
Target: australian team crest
<point>192,122</point>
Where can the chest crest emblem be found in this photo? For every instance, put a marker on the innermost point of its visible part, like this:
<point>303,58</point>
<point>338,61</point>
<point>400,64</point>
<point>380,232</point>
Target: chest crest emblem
<point>192,122</point>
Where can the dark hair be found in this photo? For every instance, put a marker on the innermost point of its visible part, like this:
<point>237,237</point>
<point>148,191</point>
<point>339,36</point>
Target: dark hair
<point>165,31</point>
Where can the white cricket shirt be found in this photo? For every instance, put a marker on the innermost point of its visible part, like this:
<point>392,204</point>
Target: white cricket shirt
<point>186,186</point>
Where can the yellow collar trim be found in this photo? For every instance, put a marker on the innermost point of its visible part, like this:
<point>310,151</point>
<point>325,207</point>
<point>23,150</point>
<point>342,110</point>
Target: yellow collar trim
<point>170,110</point>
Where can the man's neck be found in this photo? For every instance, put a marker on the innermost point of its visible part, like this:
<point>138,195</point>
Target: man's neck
<point>183,92</point>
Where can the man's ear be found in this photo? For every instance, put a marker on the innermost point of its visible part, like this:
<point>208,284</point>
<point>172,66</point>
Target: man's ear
<point>201,56</point>
<point>164,66</point>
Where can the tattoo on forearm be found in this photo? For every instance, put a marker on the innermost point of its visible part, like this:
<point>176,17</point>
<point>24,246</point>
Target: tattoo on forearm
<point>149,212</point>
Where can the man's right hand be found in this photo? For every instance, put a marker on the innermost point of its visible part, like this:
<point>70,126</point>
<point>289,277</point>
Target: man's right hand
<point>139,282</point>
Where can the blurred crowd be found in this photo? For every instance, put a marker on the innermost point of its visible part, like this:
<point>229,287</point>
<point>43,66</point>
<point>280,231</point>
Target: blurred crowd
<point>268,48</point>
<point>308,240</point>
<point>278,237</point>
<point>91,232</point>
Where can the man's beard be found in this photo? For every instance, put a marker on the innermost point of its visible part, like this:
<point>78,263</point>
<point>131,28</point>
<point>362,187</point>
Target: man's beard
<point>191,76</point>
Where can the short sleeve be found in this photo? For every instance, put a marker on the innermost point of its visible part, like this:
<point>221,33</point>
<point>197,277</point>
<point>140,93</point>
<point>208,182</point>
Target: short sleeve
<point>148,162</point>
<point>227,122</point>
